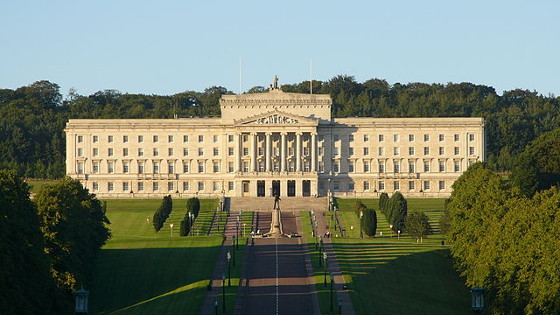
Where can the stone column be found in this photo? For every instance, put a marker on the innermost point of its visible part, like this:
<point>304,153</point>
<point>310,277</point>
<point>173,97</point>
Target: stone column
<point>283,151</point>
<point>268,155</point>
<point>298,152</point>
<point>253,153</point>
<point>313,152</point>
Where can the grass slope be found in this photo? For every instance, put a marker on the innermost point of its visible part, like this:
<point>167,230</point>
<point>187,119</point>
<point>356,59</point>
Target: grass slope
<point>143,272</point>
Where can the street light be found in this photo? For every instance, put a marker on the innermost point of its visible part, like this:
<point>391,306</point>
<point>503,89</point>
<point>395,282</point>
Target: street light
<point>325,266</point>
<point>171,226</point>
<point>361,224</point>
<point>332,290</point>
<point>233,245</point>
<point>399,234</point>
<point>320,250</point>
<point>477,295</point>
<point>391,227</point>
<point>229,268</point>
<point>223,293</point>
<point>216,306</point>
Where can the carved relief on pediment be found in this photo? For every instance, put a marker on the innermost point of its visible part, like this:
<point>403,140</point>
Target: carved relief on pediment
<point>276,119</point>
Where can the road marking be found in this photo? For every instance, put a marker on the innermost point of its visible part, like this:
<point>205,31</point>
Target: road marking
<point>277,282</point>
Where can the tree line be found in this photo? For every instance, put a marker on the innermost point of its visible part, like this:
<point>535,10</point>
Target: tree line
<point>32,118</point>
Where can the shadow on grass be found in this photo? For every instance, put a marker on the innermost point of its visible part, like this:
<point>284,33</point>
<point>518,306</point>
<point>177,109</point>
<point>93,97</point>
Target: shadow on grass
<point>389,279</point>
<point>152,280</point>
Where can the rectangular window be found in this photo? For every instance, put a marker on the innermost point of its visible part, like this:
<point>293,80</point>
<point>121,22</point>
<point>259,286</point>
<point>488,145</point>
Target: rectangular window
<point>170,186</point>
<point>426,138</point>
<point>335,151</point>
<point>155,138</point>
<point>215,186</point>
<point>185,167</point>
<point>351,166</point>
<point>170,168</point>
<point>216,167</point>
<point>336,185</point>
<point>441,137</point>
<point>110,152</point>
<point>245,166</point>
<point>441,166</point>
<point>321,150</point>
<point>396,151</point>
<point>471,137</point>
<point>411,167</point>
<point>426,151</point>
<point>155,186</point>
<point>125,187</point>
<point>185,139</point>
<point>169,151</point>
<point>305,151</point>
<point>201,167</point>
<point>230,167</point>
<point>200,151</point>
<point>471,150</point>
<point>230,186</point>
<point>350,138</point>
<point>441,150</point>
<point>456,151</point>
<point>380,151</point>
<point>456,166</point>
<point>396,166</point>
<point>126,167</point>
<point>80,152</point>
<point>140,167</point>
<point>366,138</point>
<point>260,151</point>
<point>381,138</point>
<point>95,139</point>
<point>426,185</point>
<point>335,137</point>
<point>396,185</point>
<point>366,166</point>
<point>455,137</point>
<point>411,185</point>
<point>95,167</point>
<point>156,167</point>
<point>410,150</point>
<point>215,138</point>
<point>140,139</point>
<point>140,186</point>
<point>395,138</point>
<point>230,151</point>
<point>125,151</point>
<point>155,152</point>
<point>426,166</point>
<point>185,186</point>
<point>336,167</point>
<point>381,186</point>
<point>245,151</point>
<point>381,167</point>
<point>200,186</point>
<point>366,185</point>
<point>230,138</point>
<point>124,139</point>
<point>351,186</point>
<point>441,185</point>
<point>170,139</point>
<point>291,151</point>
<point>110,139</point>
<point>321,167</point>
<point>80,167</point>
<point>80,139</point>
<point>366,151</point>
<point>110,167</point>
<point>350,151</point>
<point>200,138</point>
<point>185,151</point>
<point>410,138</point>
<point>110,186</point>
<point>216,152</point>
<point>140,152</point>
<point>95,186</point>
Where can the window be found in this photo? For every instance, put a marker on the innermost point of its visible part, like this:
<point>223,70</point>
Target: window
<point>140,152</point>
<point>169,186</point>
<point>200,138</point>
<point>336,167</point>
<point>396,166</point>
<point>110,186</point>
<point>140,167</point>
<point>110,152</point>
<point>471,137</point>
<point>230,138</point>
<point>380,151</point>
<point>351,186</point>
<point>124,139</point>
<point>216,167</point>
<point>185,186</point>
<point>381,185</point>
<point>291,150</point>
<point>321,151</point>
<point>410,138</point>
<point>170,168</point>
<point>126,167</point>
<point>125,187</point>
<point>230,186</point>
<point>230,151</point>
<point>351,166</point>
<point>306,151</point>
<point>95,186</point>
<point>335,151</point>
<point>80,152</point>
<point>441,138</point>
<point>381,167</point>
<point>155,152</point>
<point>366,151</point>
<point>185,151</point>
<point>260,151</point>
<point>395,138</point>
<point>185,138</point>
<point>396,185</point>
<point>350,151</point>
<point>245,137</point>
<point>95,167</point>
<point>426,138</point>
<point>200,151</point>
<point>170,139</point>
<point>215,138</point>
<point>441,166</point>
<point>169,151</point>
<point>411,185</point>
<point>80,167</point>
<point>381,138</point>
<point>155,139</point>
<point>156,167</point>
<point>140,139</point>
<point>245,151</point>
<point>201,167</point>
<point>410,150</point>
<point>95,139</point>
<point>335,137</point>
<point>200,186</point>
<point>125,151</point>
<point>336,185</point>
<point>441,185</point>
<point>366,185</point>
<point>230,167</point>
<point>350,138</point>
<point>396,151</point>
<point>215,186</point>
<point>155,186</point>
<point>185,167</point>
<point>110,167</point>
<point>455,137</point>
<point>110,139</point>
<point>245,166</point>
<point>321,167</point>
<point>441,150</point>
<point>216,152</point>
<point>426,151</point>
<point>456,150</point>
<point>471,150</point>
<point>411,167</point>
<point>456,166</point>
<point>426,185</point>
<point>366,166</point>
<point>426,166</point>
<point>140,186</point>
<point>366,138</point>
<point>80,139</point>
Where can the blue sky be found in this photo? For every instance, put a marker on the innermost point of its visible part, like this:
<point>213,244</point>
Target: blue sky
<point>166,47</point>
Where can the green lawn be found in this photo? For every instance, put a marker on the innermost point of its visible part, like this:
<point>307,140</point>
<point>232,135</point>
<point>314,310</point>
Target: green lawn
<point>38,184</point>
<point>143,272</point>
<point>388,275</point>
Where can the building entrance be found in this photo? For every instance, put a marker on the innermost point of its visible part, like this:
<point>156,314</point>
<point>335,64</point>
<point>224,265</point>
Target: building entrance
<point>306,188</point>
<point>291,188</point>
<point>276,188</point>
<point>260,188</point>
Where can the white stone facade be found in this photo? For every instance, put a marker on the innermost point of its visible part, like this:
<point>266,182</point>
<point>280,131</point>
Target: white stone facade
<point>275,141</point>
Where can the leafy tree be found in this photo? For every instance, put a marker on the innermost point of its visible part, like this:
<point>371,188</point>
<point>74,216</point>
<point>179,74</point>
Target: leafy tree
<point>162,213</point>
<point>369,222</point>
<point>193,205</point>
<point>398,208</point>
<point>185,227</point>
<point>74,226</point>
<point>359,207</point>
<point>418,225</point>
<point>383,202</point>
<point>26,285</point>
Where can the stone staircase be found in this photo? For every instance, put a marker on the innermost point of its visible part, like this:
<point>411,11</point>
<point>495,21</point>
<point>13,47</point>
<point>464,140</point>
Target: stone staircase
<point>286,204</point>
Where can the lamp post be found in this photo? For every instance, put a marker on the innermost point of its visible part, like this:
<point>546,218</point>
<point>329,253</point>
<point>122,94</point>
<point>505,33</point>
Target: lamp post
<point>244,224</point>
<point>339,307</point>
<point>477,295</point>
<point>223,293</point>
<point>229,268</point>
<point>332,291</point>
<point>399,234</point>
<point>320,250</point>
<point>325,266</point>
<point>216,306</point>
<point>237,233</point>
<point>233,246</point>
<point>391,227</point>
<point>361,224</point>
<point>171,226</point>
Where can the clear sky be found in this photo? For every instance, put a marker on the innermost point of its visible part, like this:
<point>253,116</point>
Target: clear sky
<point>166,47</point>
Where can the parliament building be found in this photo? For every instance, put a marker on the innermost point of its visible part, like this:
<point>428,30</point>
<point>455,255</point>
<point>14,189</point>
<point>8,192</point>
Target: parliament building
<point>272,143</point>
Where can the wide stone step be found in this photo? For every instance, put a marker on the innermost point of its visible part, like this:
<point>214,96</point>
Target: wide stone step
<point>286,204</point>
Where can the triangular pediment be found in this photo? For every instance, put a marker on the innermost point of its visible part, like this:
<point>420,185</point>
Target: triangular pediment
<point>277,117</point>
